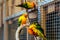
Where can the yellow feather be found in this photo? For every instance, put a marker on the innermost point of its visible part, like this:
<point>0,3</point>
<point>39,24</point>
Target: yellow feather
<point>22,19</point>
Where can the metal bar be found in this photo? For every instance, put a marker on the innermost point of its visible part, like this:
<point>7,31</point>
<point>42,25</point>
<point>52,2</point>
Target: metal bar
<point>39,14</point>
<point>15,15</point>
<point>45,2</point>
<point>27,34</point>
<point>1,15</point>
<point>18,14</point>
<point>5,22</point>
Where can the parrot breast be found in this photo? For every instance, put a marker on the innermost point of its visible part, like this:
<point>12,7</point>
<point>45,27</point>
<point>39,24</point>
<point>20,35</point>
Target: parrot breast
<point>36,29</point>
<point>22,20</point>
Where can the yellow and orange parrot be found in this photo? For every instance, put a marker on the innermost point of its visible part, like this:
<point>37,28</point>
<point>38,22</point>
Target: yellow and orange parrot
<point>22,19</point>
<point>27,5</point>
<point>36,30</point>
<point>21,23</point>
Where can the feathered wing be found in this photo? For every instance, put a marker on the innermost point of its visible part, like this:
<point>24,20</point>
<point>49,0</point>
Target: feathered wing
<point>19,23</point>
<point>27,5</point>
<point>40,31</point>
<point>19,20</point>
<point>40,34</point>
<point>39,28</point>
<point>22,20</point>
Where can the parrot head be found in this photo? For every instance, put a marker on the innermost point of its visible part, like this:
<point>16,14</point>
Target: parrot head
<point>26,15</point>
<point>31,4</point>
<point>27,5</point>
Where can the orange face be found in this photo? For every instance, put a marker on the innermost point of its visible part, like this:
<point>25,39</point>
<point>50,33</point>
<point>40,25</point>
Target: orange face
<point>30,31</point>
<point>26,15</point>
<point>32,4</point>
<point>24,21</point>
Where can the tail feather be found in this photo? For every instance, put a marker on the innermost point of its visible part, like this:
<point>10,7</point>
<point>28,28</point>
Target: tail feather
<point>19,6</point>
<point>44,38</point>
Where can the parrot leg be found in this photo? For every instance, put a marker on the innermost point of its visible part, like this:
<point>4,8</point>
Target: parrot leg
<point>35,38</point>
<point>38,38</point>
<point>41,39</point>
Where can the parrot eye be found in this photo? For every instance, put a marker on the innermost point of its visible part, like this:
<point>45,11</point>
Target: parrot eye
<point>26,16</point>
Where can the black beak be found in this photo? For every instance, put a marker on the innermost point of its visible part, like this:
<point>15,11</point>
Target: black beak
<point>18,5</point>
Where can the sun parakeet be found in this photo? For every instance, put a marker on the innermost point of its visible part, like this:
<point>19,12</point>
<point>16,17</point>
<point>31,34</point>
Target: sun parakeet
<point>22,19</point>
<point>27,5</point>
<point>36,30</point>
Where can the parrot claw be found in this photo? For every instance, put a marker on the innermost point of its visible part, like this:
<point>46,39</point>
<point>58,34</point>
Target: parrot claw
<point>27,24</point>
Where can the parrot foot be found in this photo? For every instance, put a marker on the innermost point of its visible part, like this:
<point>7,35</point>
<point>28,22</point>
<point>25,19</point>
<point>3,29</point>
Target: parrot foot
<point>37,38</point>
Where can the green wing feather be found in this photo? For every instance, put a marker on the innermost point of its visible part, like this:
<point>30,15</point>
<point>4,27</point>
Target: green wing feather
<point>39,28</point>
<point>19,20</point>
<point>19,23</point>
<point>41,31</point>
<point>25,6</point>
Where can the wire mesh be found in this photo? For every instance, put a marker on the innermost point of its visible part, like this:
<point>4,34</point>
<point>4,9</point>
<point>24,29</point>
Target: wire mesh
<point>53,24</point>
